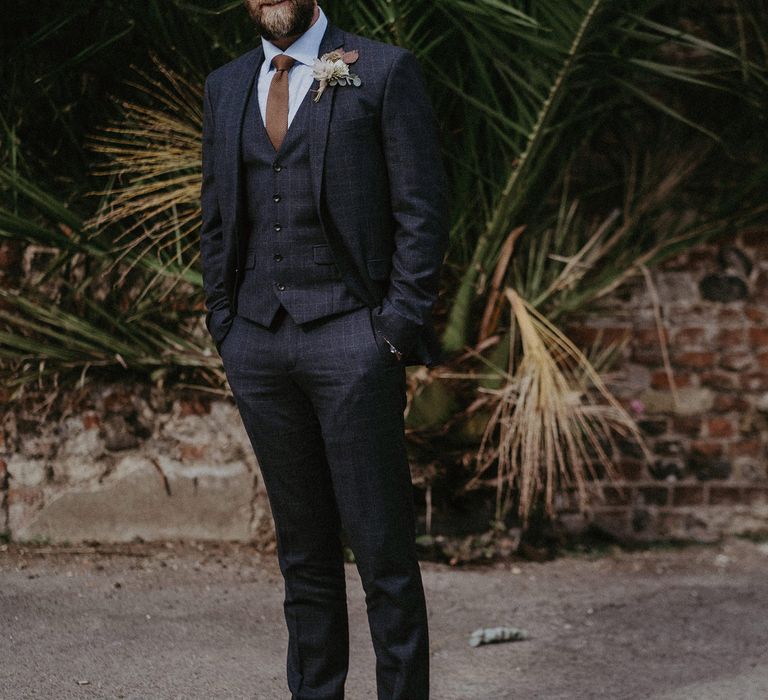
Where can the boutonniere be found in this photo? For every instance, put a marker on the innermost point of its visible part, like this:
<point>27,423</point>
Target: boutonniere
<point>332,68</point>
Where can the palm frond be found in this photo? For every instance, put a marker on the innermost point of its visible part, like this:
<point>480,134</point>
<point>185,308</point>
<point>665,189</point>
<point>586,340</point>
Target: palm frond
<point>155,151</point>
<point>553,420</point>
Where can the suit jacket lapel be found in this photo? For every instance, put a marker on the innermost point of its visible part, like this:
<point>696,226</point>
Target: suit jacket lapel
<point>238,97</point>
<point>320,115</point>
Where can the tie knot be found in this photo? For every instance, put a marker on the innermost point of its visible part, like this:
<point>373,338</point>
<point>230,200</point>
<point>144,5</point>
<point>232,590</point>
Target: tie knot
<point>283,62</point>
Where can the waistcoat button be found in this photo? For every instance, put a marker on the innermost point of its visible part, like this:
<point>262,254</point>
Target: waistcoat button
<point>278,227</point>
<point>276,197</point>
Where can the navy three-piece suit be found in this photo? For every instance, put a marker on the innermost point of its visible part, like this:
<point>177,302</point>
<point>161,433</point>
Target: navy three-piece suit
<point>312,255</point>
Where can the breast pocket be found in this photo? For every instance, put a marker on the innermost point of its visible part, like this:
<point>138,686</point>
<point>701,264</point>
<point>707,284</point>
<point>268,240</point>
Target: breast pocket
<point>364,124</point>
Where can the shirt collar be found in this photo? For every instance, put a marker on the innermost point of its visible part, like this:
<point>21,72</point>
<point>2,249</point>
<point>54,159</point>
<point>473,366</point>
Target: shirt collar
<point>305,49</point>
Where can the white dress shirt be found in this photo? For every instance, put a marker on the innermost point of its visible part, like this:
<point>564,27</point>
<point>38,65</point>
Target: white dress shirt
<point>305,50</point>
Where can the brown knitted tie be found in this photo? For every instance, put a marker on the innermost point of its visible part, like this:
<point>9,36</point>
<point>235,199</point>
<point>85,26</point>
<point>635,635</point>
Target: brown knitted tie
<point>277,100</point>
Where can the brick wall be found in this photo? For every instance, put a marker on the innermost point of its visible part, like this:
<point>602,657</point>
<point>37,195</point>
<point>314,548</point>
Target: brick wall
<point>709,432</point>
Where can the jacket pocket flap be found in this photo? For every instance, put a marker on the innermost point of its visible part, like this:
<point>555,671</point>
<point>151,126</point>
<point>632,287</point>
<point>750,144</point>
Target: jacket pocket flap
<point>322,254</point>
<point>367,122</point>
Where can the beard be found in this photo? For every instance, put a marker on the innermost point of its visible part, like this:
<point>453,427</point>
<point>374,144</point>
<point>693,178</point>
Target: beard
<point>288,18</point>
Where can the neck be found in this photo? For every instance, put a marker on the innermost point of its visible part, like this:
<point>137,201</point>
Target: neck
<point>285,42</point>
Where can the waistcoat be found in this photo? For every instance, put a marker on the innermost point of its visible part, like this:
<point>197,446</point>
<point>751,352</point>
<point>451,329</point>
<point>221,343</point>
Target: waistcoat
<point>288,260</point>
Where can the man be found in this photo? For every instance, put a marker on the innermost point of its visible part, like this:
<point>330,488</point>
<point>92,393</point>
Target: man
<point>323,232</point>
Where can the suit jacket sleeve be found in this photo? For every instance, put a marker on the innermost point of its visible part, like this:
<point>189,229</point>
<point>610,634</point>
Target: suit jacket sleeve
<point>418,202</point>
<point>211,244</point>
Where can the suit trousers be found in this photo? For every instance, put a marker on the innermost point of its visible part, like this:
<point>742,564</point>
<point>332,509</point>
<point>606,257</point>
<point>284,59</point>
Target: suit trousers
<point>323,407</point>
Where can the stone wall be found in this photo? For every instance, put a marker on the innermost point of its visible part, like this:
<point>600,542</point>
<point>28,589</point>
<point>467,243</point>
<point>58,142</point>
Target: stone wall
<point>707,423</point>
<point>129,462</point>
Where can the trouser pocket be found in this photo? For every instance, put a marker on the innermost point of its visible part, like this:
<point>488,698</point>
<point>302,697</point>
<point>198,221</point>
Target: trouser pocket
<point>382,346</point>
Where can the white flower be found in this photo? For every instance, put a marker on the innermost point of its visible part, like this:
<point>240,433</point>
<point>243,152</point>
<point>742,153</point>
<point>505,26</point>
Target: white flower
<point>332,69</point>
<point>324,69</point>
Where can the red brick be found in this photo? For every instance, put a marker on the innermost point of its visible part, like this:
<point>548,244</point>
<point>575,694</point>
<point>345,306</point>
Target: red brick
<point>754,381</point>
<point>725,495</point>
<point>687,495</point>
<point>746,448</point>
<point>761,285</point>
<point>192,453</point>
<point>729,402</point>
<point>758,336</point>
<point>660,380</point>
<point>656,495</point>
<point>91,420</point>
<point>613,334</point>
<point>762,360</point>
<point>723,317</point>
<point>687,337</point>
<point>649,355</point>
<point>24,494</point>
<point>695,360</point>
<point>687,425</point>
<point>756,314</point>
<point>720,427</point>
<point>650,336</point>
<point>193,407</point>
<point>3,466</point>
<point>717,379</point>
<point>730,338</point>
<point>584,336</point>
<point>707,449</point>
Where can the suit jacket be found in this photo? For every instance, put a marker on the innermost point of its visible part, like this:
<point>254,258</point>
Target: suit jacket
<point>378,183</point>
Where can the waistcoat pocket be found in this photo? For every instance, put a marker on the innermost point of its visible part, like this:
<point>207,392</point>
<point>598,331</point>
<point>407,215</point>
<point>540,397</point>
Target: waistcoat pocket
<point>322,254</point>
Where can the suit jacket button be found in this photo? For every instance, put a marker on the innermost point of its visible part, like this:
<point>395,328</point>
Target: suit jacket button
<point>277,167</point>
<point>277,257</point>
<point>280,286</point>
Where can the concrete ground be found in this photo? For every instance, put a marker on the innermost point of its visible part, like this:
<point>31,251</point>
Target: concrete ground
<point>193,621</point>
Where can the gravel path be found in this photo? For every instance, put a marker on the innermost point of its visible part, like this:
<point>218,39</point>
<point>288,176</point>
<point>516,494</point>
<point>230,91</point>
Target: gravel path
<point>191,621</point>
